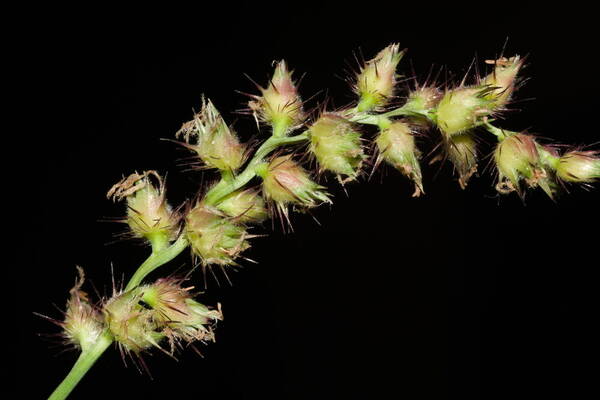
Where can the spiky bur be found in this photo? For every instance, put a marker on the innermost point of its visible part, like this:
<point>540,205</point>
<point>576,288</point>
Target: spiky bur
<point>423,100</point>
<point>280,104</point>
<point>462,109</point>
<point>182,318</point>
<point>149,216</point>
<point>517,159</point>
<point>244,206</point>
<point>579,166</point>
<point>83,323</point>
<point>216,144</point>
<point>462,152</point>
<point>503,79</point>
<point>134,327</point>
<point>285,183</point>
<point>376,81</point>
<point>214,237</point>
<point>396,146</point>
<point>336,144</point>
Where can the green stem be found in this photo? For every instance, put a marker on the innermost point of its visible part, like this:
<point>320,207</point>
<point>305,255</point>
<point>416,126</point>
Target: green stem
<point>156,259</point>
<point>223,188</point>
<point>82,365</point>
<point>501,134</point>
<point>379,119</point>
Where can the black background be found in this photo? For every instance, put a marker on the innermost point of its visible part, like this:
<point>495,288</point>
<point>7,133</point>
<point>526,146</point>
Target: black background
<point>458,294</point>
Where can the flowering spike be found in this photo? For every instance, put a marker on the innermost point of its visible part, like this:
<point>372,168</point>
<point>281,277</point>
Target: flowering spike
<point>462,109</point>
<point>280,105</point>
<point>148,214</point>
<point>245,206</point>
<point>462,152</point>
<point>503,79</point>
<point>285,182</point>
<point>82,323</point>
<point>216,143</point>
<point>214,237</point>
<point>377,78</point>
<point>579,166</point>
<point>336,144</point>
<point>396,145</point>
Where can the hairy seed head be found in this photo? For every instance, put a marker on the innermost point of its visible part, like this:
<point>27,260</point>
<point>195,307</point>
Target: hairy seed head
<point>579,166</point>
<point>396,145</point>
<point>214,237</point>
<point>377,78</point>
<point>517,158</point>
<point>286,182</point>
<point>423,99</point>
<point>183,318</point>
<point>134,327</point>
<point>215,142</point>
<point>503,79</point>
<point>83,323</point>
<point>245,206</point>
<point>280,105</point>
<point>462,152</point>
<point>148,214</point>
<point>336,144</point>
<point>462,109</point>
